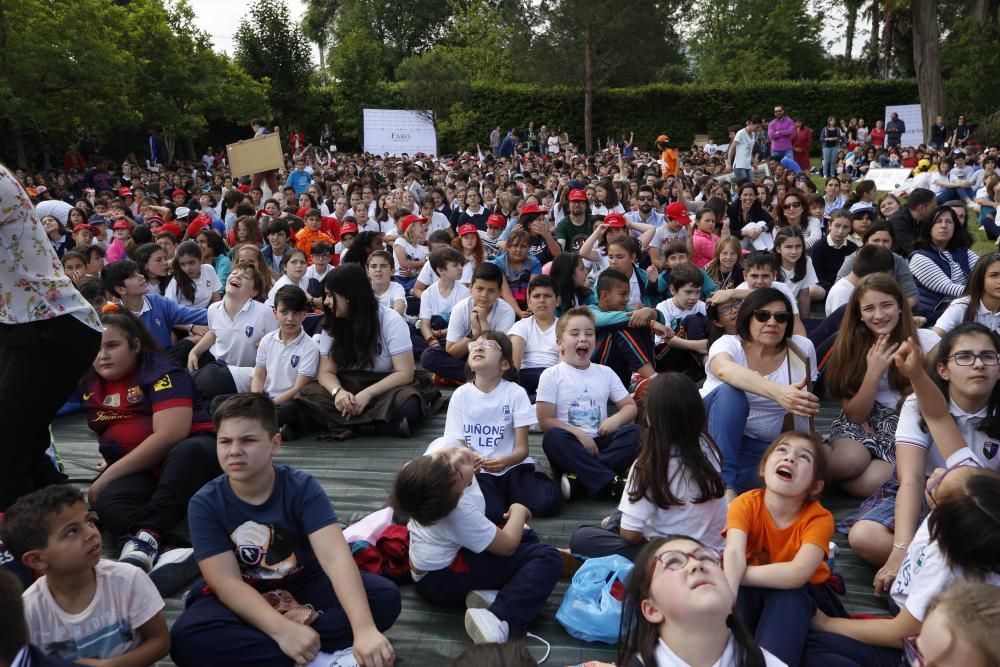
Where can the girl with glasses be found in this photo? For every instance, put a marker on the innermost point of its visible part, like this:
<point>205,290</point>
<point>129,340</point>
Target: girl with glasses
<point>679,610</point>
<point>757,380</point>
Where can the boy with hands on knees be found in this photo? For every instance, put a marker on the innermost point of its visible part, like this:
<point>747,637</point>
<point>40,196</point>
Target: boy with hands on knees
<point>264,531</point>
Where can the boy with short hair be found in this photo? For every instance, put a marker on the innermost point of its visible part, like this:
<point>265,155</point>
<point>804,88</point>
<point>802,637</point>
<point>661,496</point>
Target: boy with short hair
<point>83,607</point>
<point>624,334</point>
<point>504,576</point>
<point>311,233</point>
<point>686,324</point>
<point>482,311</point>
<point>428,276</point>
<point>590,450</point>
<point>263,529</point>
<point>675,253</point>
<point>278,233</point>
<point>830,251</point>
<point>287,358</point>
<point>533,339</point>
<point>761,271</point>
<point>438,300</point>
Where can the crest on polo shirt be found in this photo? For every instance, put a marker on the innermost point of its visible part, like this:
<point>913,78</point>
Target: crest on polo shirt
<point>248,330</point>
<point>295,360</point>
<point>134,395</point>
<point>990,449</point>
<point>113,400</point>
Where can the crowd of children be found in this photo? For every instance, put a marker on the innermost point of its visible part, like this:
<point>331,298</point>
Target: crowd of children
<point>589,312</point>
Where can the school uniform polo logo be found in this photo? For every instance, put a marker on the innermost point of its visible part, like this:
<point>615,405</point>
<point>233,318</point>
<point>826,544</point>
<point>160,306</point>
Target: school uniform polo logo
<point>295,361</point>
<point>248,330</point>
<point>990,449</point>
<point>134,395</point>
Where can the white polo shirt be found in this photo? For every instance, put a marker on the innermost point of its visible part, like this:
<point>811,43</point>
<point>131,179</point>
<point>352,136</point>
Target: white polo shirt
<point>394,339</point>
<point>286,362</point>
<point>955,313</point>
<point>501,318</point>
<point>236,339</point>
<point>205,286</point>
<point>432,303</point>
<point>980,449</point>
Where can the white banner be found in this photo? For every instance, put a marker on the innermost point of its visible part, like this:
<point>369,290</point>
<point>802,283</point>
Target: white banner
<point>888,180</point>
<point>398,131</point>
<point>911,116</point>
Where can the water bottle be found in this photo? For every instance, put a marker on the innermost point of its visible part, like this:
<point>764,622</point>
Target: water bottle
<point>832,559</point>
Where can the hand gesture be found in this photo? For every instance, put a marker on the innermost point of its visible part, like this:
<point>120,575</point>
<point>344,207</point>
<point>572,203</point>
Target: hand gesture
<point>880,355</point>
<point>298,642</point>
<point>641,317</point>
<point>476,320</point>
<point>600,229</point>
<point>652,273</point>
<point>909,359</point>
<point>795,399</point>
<point>344,402</point>
<point>665,332</point>
<point>372,649</point>
<point>360,402</point>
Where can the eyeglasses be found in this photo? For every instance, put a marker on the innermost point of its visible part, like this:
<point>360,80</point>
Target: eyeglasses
<point>674,560</point>
<point>793,204</point>
<point>646,198</point>
<point>988,357</point>
<point>914,657</point>
<point>730,307</point>
<point>779,316</point>
<point>477,345</point>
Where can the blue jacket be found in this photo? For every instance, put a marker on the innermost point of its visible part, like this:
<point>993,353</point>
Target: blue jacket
<point>163,314</point>
<point>609,318</point>
<point>299,180</point>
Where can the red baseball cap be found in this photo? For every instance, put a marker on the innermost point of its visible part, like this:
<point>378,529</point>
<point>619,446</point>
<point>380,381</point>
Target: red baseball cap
<point>348,228</point>
<point>496,220</point>
<point>83,225</point>
<point>200,222</point>
<point>532,208</point>
<point>468,228</point>
<point>178,193</point>
<point>171,228</point>
<point>121,224</point>
<point>154,220</point>
<point>245,189</point>
<point>124,191</point>
<point>578,195</point>
<point>615,220</point>
<point>678,212</point>
<point>405,223</point>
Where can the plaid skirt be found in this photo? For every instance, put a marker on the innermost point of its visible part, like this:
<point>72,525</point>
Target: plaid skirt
<point>880,442</point>
<point>880,507</point>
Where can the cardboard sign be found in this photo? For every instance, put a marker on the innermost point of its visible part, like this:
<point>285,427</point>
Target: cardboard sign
<point>253,156</point>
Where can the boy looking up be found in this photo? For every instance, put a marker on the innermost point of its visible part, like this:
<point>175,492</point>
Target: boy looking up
<point>83,608</point>
<point>261,528</point>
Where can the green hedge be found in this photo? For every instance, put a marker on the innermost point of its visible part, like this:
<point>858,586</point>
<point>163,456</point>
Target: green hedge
<point>681,111</point>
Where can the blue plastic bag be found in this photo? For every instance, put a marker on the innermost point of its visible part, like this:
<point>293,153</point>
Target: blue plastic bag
<point>588,611</point>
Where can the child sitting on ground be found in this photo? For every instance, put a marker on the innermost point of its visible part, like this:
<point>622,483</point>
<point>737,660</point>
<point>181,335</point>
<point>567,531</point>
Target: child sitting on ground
<point>428,276</point>
<point>389,293</point>
<point>82,608</point>
<point>311,234</point>
<point>264,532</point>
<point>483,310</point>
<point>438,300</point>
<point>287,358</point>
<point>675,486</point>
<point>320,253</point>
<point>777,540</point>
<point>587,448</point>
<point>675,253</point>
<point>293,267</point>
<point>504,576</point>
<point>686,342</point>
<point>534,338</point>
<point>490,415</point>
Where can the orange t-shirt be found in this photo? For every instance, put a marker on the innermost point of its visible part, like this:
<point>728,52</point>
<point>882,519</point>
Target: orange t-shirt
<point>766,543</point>
<point>306,237</point>
<point>669,157</point>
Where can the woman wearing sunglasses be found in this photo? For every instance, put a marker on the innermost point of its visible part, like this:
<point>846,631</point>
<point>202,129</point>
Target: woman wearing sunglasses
<point>758,379</point>
<point>793,210</point>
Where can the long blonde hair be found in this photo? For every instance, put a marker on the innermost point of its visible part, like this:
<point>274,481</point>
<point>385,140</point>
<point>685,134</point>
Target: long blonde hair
<point>714,268</point>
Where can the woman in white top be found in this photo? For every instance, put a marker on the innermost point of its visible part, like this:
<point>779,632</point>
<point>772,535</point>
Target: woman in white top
<point>755,380</point>
<point>606,200</point>
<point>793,209</point>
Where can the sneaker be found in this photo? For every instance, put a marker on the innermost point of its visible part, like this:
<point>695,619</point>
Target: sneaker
<point>639,389</point>
<point>403,428</point>
<point>481,599</point>
<point>485,628</point>
<point>634,382</point>
<point>570,487</point>
<point>140,550</point>
<point>288,433</point>
<point>173,569</point>
<point>615,489</point>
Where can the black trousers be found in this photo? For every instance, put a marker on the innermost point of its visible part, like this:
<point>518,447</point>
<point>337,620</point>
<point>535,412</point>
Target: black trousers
<point>40,365</point>
<point>144,500</point>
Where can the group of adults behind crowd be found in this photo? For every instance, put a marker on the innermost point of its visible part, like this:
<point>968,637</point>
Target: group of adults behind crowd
<point>355,291</point>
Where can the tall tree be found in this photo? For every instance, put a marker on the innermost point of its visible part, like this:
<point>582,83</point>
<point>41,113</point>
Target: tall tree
<point>317,26</point>
<point>269,45</point>
<point>927,59</point>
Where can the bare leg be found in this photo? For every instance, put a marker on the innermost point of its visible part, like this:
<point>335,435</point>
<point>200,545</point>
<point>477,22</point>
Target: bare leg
<point>872,541</point>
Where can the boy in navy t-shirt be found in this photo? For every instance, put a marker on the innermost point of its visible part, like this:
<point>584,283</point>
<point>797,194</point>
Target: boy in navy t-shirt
<point>260,528</point>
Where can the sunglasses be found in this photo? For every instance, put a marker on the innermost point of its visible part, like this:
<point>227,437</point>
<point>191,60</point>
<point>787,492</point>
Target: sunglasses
<point>793,204</point>
<point>779,316</point>
<point>647,198</point>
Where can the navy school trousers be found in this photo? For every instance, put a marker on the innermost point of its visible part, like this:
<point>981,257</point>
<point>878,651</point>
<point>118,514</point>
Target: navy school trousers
<point>523,484</point>
<point>617,452</point>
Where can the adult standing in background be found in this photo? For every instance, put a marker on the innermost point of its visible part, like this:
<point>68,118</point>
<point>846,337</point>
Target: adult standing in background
<point>829,139</point>
<point>962,132</point>
<point>801,144</point>
<point>260,130</point>
<point>894,131</point>
<point>495,140</point>
<point>781,131</point>
<point>939,133</point>
<point>740,156</point>
<point>48,331</point>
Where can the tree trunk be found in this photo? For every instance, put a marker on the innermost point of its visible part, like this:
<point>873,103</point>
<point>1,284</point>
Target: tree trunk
<point>588,87</point>
<point>888,37</point>
<point>980,10</point>
<point>17,139</point>
<point>873,43</point>
<point>322,62</point>
<point>852,23</point>
<point>927,60</point>
<point>170,142</point>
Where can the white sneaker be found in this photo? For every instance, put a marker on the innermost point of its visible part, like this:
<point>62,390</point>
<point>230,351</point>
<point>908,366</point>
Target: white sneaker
<point>173,569</point>
<point>485,628</point>
<point>140,550</point>
<point>482,599</point>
